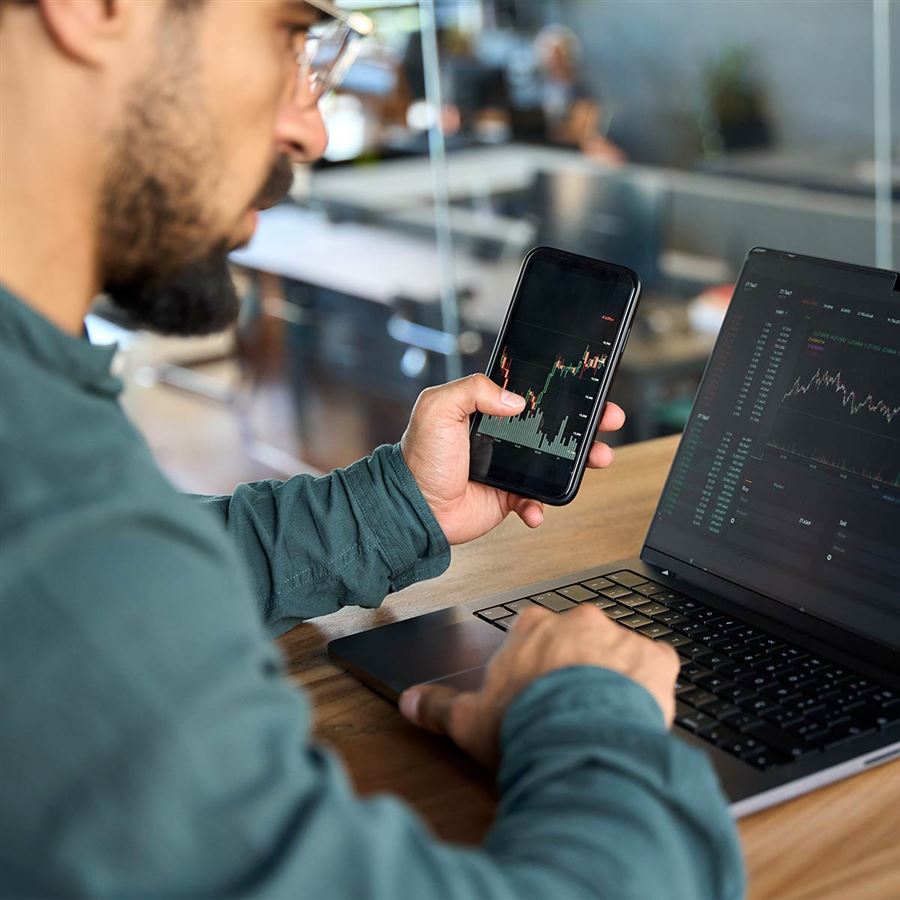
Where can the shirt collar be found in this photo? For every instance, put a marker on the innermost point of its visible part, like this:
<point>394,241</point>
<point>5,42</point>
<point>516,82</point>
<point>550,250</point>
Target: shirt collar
<point>52,349</point>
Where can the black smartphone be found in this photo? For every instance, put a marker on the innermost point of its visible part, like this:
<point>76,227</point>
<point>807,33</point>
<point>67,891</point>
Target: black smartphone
<point>564,332</point>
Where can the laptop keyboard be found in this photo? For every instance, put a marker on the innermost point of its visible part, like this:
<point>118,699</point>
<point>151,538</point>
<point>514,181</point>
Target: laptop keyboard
<point>754,695</point>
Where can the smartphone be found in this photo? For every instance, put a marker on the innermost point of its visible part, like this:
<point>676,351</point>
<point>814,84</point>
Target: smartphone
<point>561,341</point>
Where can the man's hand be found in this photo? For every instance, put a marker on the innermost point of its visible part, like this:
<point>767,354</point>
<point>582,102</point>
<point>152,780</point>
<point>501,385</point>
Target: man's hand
<point>538,643</point>
<point>435,446</point>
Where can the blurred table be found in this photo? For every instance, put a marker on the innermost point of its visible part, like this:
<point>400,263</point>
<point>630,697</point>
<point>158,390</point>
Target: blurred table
<point>839,842</point>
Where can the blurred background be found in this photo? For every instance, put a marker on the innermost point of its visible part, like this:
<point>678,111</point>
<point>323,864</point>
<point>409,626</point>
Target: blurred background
<point>667,135</point>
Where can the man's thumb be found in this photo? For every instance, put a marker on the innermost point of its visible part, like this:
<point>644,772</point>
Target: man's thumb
<point>429,706</point>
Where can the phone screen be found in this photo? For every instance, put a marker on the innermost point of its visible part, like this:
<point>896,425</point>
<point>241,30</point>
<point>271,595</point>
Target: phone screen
<point>556,350</point>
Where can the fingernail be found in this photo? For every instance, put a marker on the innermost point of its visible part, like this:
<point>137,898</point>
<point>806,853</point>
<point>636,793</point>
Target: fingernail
<point>508,398</point>
<point>409,704</point>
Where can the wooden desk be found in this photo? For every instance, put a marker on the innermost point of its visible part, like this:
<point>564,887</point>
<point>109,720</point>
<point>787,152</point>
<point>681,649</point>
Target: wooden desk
<point>839,842</point>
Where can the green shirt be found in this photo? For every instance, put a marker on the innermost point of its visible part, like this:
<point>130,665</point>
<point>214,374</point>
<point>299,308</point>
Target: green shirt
<point>150,745</point>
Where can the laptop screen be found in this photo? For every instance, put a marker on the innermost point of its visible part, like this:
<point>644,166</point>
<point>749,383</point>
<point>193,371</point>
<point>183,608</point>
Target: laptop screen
<point>787,477</point>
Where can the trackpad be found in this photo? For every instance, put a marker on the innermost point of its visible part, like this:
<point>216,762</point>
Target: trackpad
<point>425,648</point>
<point>469,680</point>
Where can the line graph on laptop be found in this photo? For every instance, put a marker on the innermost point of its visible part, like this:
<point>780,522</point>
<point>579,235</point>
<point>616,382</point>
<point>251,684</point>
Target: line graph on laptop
<point>842,410</point>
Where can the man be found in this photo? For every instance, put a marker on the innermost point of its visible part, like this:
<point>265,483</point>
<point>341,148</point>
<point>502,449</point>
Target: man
<point>149,744</point>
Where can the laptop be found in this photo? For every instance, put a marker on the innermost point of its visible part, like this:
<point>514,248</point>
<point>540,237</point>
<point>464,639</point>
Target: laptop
<point>772,563</point>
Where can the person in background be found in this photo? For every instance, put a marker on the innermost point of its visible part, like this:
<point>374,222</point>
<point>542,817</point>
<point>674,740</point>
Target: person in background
<point>572,114</point>
<point>150,743</point>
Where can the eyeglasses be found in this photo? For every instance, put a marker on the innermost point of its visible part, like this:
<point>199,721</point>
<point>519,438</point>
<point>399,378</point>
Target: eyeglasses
<point>329,50</point>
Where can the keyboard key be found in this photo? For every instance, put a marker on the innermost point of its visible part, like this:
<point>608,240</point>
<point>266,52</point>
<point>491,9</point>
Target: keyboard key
<point>716,661</point>
<point>670,598</point>
<point>494,613</point>
<point>733,670</point>
<point>828,715</point>
<point>759,706</point>
<point>635,620</point>
<point>518,606</point>
<point>797,679</point>
<point>629,579</point>
<point>670,617</point>
<point>505,623</point>
<point>698,697</point>
<point>846,731</point>
<point>683,686</point>
<point>654,629</point>
<point>721,709</point>
<point>737,693</point>
<point>692,628</point>
<point>773,667</point>
<point>882,696</point>
<point>784,741</point>
<point>742,721</point>
<point>603,603</point>
<point>597,584</point>
<point>879,716</point>
<point>631,600</point>
<point>766,759</point>
<point>694,670</point>
<point>747,655</point>
<point>615,592</point>
<point>804,705</point>
<point>808,730</point>
<point>743,745</point>
<point>693,650</point>
<point>814,664</point>
<point>747,632</point>
<point>766,642</point>
<point>652,609</point>
<point>758,681</point>
<point>708,637</point>
<point>553,601</point>
<point>727,644</point>
<point>714,682</point>
<point>675,640</point>
<point>835,675</point>
<point>719,734</point>
<point>694,720</point>
<point>789,654</point>
<point>707,615</point>
<point>781,693</point>
<point>577,593</point>
<point>648,588</point>
<point>782,717</point>
<point>618,612</point>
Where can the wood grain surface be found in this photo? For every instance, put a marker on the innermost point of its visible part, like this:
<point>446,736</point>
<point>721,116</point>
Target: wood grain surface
<point>839,842</point>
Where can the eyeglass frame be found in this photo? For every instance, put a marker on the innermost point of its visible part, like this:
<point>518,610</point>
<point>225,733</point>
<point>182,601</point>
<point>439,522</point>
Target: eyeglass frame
<point>357,26</point>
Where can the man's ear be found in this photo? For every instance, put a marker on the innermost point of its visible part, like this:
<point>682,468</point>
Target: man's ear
<point>87,30</point>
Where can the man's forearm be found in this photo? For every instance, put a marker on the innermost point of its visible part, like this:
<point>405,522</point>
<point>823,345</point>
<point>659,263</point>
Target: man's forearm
<point>313,545</point>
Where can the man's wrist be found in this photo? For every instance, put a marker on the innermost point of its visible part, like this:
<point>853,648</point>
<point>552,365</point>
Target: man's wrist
<point>399,517</point>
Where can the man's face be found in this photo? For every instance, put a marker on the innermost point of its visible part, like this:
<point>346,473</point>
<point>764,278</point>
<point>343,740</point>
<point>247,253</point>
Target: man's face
<point>206,141</point>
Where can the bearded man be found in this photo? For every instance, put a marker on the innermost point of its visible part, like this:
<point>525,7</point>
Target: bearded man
<point>150,744</point>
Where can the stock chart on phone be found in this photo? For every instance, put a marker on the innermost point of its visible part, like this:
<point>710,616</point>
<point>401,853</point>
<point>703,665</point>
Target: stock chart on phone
<point>564,392</point>
<point>554,352</point>
<point>787,479</point>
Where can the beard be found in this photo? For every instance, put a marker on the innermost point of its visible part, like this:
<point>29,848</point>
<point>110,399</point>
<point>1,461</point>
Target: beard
<point>198,298</point>
<point>163,263</point>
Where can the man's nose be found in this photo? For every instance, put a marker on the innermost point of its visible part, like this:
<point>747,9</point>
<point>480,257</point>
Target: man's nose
<point>300,130</point>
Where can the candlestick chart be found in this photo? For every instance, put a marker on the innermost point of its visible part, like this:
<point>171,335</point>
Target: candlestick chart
<point>559,395</point>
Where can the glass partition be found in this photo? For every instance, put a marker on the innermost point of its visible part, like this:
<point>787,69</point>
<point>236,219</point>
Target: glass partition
<point>668,135</point>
